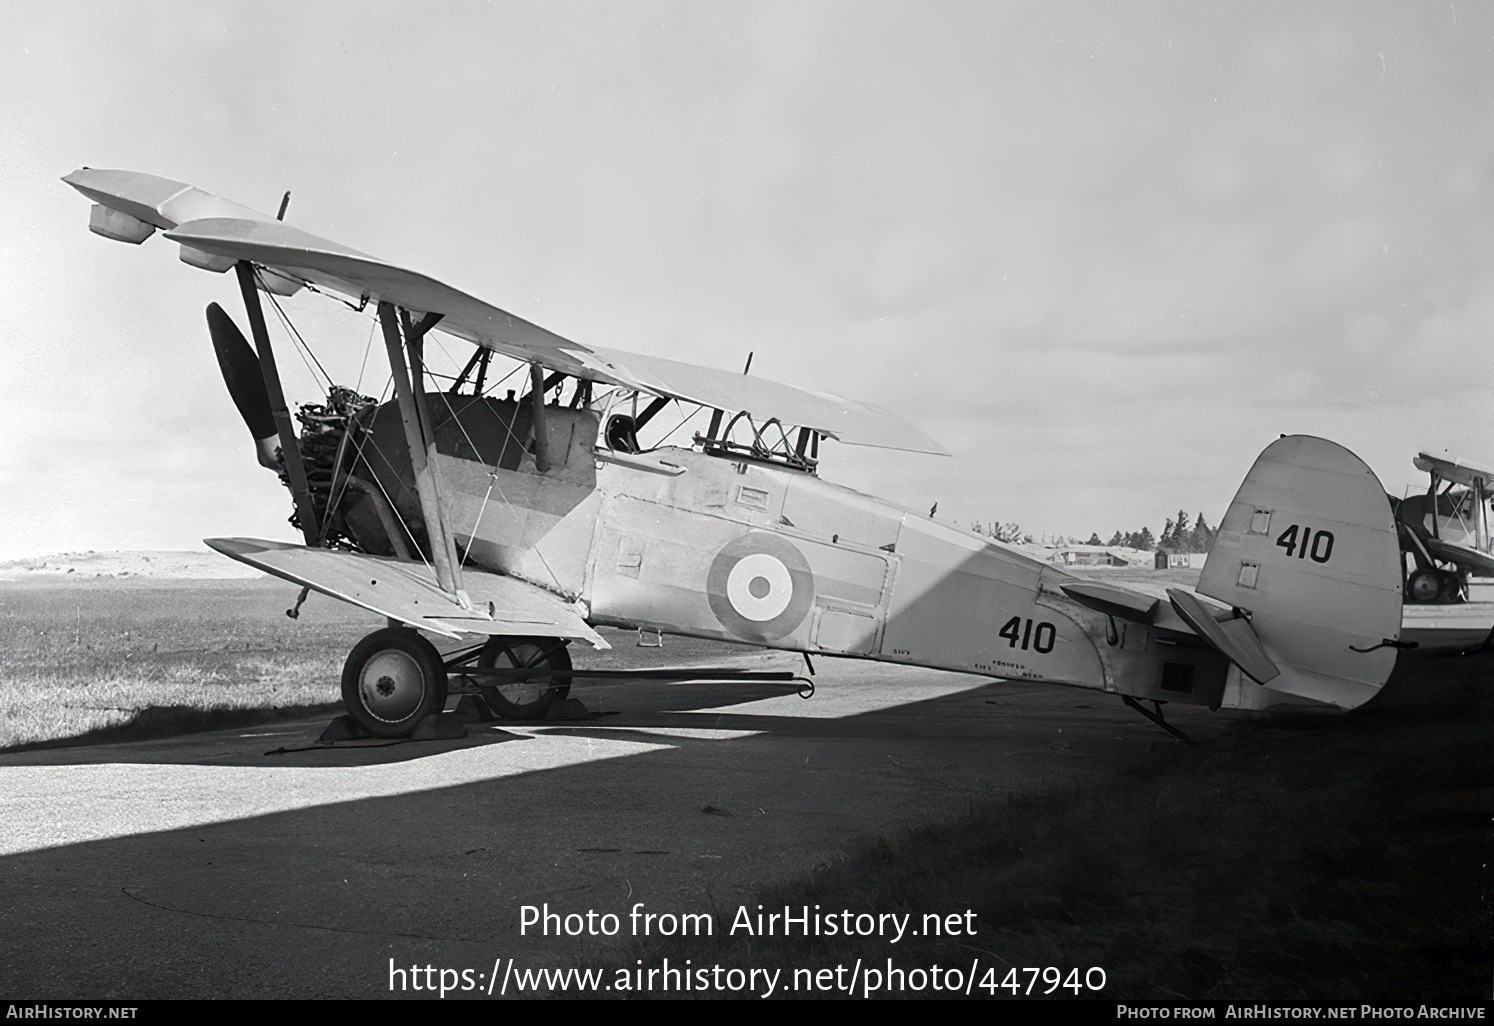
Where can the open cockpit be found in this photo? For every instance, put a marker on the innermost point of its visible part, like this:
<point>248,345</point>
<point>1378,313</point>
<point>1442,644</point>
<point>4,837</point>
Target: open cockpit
<point>633,422</point>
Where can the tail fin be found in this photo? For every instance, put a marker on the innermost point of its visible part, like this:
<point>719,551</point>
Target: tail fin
<point>1308,550</point>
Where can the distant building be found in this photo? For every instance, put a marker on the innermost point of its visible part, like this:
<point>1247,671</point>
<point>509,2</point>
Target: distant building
<point>1087,555</point>
<point>1180,560</point>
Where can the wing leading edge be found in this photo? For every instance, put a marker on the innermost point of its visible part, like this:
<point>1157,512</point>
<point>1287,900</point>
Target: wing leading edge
<point>397,590</point>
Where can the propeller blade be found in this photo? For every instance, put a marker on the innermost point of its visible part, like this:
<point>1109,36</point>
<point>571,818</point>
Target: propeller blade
<point>246,384</point>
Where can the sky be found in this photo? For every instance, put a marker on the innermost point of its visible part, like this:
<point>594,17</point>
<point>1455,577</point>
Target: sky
<point>1103,252</point>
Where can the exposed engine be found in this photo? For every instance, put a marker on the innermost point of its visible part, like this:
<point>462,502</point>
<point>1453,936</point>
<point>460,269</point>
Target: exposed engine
<point>353,505</point>
<point>360,487</point>
<point>329,448</point>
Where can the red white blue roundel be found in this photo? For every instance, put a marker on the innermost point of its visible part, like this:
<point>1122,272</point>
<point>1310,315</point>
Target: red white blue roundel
<point>760,587</point>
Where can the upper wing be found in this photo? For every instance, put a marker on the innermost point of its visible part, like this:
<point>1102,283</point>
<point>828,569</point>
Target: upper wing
<point>214,226</point>
<point>396,589</point>
<point>1454,468</point>
<point>157,202</point>
<point>845,420</point>
<point>300,254</point>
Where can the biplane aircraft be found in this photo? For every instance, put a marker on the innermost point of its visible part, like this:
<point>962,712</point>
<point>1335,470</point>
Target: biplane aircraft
<point>1448,556</point>
<point>1447,527</point>
<point>527,521</point>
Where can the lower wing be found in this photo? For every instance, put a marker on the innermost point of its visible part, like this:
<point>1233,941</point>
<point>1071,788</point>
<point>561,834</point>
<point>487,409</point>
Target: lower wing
<point>401,591</point>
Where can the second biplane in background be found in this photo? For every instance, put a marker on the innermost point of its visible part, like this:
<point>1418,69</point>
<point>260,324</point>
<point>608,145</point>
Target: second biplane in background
<point>526,521</point>
<point>1448,556</point>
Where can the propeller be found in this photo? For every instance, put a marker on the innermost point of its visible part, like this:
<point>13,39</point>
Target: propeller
<point>246,384</point>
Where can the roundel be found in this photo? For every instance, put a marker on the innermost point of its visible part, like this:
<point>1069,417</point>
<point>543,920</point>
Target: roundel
<point>760,587</point>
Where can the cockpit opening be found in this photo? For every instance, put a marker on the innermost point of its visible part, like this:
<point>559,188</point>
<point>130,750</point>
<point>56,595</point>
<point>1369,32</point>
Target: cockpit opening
<point>625,413</point>
<point>622,433</point>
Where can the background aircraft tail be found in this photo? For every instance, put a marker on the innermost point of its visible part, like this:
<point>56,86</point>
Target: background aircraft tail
<point>1308,551</point>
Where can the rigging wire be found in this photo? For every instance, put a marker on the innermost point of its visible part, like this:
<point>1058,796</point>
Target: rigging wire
<point>309,358</point>
<point>660,443</point>
<point>335,501</point>
<point>368,439</point>
<point>498,384</point>
<point>492,473</point>
<point>488,388</point>
<point>293,332</point>
<point>373,325</point>
<point>326,389</point>
<point>492,483</point>
<point>305,351</point>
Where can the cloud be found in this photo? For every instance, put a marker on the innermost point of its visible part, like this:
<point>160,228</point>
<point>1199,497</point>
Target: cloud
<point>1104,254</point>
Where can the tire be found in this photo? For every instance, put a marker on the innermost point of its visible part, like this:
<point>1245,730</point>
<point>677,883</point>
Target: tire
<point>1452,588</point>
<point>529,699</point>
<point>393,679</point>
<point>1423,586</point>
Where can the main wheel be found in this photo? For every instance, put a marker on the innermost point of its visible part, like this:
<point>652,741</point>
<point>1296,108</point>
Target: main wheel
<point>532,697</point>
<point>1423,586</point>
<point>393,679</point>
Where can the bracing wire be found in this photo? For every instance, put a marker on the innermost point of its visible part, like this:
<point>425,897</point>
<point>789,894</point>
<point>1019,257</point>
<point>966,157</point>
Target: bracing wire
<point>506,427</point>
<point>660,443</point>
<point>492,478</point>
<point>368,440</point>
<point>335,502</point>
<point>326,390</point>
<point>291,329</point>
<point>373,325</point>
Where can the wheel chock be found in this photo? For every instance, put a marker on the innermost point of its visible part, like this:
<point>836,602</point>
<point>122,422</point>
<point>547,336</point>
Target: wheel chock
<point>343,729</point>
<point>472,709</point>
<point>437,727</point>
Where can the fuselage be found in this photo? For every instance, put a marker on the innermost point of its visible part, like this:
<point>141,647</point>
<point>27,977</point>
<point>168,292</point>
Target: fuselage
<point>688,542</point>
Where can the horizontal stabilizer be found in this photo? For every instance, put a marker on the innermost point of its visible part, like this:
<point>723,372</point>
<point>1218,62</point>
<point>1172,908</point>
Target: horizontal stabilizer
<point>1233,638</point>
<point>1102,598</point>
<point>407,592</point>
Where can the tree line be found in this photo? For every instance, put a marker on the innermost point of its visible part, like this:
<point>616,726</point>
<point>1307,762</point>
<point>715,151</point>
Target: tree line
<point>1179,535</point>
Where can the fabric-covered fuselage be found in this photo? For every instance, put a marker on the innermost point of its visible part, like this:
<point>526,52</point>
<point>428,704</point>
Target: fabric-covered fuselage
<point>691,543</point>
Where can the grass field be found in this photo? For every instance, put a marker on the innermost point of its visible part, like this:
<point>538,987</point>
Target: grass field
<point>165,656</point>
<point>84,656</point>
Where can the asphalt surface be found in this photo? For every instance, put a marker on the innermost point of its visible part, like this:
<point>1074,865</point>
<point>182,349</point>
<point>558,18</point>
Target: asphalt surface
<point>255,863</point>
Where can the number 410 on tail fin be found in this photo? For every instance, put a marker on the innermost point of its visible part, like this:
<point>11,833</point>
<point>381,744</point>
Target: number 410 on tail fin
<point>1318,544</point>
